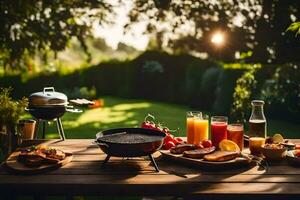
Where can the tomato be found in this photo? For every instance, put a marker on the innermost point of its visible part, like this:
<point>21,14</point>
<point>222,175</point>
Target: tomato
<point>168,138</point>
<point>168,145</point>
<point>148,125</point>
<point>297,153</point>
<point>179,140</point>
<point>206,143</point>
<point>199,146</point>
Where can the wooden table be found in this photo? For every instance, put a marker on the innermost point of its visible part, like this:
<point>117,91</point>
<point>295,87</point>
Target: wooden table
<point>136,177</point>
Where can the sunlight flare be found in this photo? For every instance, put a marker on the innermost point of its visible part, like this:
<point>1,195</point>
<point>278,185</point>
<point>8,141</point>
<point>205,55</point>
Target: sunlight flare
<point>218,38</point>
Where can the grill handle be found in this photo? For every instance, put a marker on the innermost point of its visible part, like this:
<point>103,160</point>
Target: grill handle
<point>73,110</point>
<point>49,89</point>
<point>29,109</point>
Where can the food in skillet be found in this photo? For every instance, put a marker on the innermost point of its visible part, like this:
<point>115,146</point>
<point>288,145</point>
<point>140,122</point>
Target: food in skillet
<point>35,156</point>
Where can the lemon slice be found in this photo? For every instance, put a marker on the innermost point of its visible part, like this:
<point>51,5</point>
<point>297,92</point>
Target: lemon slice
<point>228,145</point>
<point>277,138</point>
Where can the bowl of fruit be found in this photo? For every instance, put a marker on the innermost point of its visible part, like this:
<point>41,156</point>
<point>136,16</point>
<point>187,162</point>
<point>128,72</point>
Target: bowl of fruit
<point>274,149</point>
<point>274,152</point>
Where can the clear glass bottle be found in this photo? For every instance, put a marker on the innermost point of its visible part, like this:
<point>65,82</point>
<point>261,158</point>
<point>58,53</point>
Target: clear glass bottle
<point>257,121</point>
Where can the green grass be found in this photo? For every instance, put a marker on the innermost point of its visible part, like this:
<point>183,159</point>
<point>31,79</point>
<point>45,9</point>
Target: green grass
<point>119,112</point>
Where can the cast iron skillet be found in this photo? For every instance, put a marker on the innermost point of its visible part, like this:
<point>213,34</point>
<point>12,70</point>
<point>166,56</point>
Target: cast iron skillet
<point>130,142</point>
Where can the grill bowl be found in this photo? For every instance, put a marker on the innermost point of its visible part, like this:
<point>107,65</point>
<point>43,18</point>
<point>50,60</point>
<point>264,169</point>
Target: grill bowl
<point>47,112</point>
<point>153,141</point>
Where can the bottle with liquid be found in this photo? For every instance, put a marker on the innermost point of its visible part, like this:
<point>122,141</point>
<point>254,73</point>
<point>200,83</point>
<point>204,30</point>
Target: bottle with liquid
<point>257,121</point>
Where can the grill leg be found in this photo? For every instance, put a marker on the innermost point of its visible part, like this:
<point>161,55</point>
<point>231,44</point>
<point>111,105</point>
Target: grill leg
<point>154,163</point>
<point>58,128</point>
<point>105,161</point>
<point>36,129</point>
<point>44,129</point>
<point>61,130</point>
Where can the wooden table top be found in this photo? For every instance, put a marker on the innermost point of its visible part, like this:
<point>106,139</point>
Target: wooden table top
<point>136,177</point>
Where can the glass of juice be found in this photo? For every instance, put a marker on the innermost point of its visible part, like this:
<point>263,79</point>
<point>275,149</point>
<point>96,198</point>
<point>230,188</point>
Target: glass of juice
<point>190,115</point>
<point>218,129</point>
<point>200,128</point>
<point>235,133</point>
<point>255,144</point>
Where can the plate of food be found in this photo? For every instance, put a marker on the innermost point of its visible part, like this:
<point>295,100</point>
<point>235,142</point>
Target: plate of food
<point>293,157</point>
<point>228,155</point>
<point>36,159</point>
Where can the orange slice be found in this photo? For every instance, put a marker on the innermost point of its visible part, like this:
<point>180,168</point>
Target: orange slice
<point>228,145</point>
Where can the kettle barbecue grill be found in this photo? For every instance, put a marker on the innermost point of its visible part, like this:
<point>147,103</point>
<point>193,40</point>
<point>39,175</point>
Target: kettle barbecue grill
<point>49,105</point>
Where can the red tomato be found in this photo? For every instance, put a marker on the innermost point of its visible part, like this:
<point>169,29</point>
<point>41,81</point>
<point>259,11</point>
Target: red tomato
<point>179,140</point>
<point>206,143</point>
<point>199,146</point>
<point>148,125</point>
<point>168,138</point>
<point>168,145</point>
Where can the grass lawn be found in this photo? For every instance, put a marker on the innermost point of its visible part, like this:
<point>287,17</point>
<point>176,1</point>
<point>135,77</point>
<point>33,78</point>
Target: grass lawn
<point>119,112</point>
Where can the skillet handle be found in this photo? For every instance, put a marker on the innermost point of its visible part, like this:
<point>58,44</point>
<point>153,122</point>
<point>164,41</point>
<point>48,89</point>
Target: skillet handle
<point>100,143</point>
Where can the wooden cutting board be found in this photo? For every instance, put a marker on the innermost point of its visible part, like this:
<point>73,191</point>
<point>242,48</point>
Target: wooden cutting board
<point>235,163</point>
<point>13,164</point>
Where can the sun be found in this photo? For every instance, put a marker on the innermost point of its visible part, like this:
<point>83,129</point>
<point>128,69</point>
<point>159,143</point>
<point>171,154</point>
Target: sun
<point>218,38</point>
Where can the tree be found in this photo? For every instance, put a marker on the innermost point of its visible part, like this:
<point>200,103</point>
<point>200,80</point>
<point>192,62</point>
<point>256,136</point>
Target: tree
<point>28,26</point>
<point>250,25</point>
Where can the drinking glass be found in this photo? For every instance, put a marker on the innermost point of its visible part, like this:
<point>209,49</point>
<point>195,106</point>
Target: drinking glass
<point>255,144</point>
<point>235,133</point>
<point>200,128</point>
<point>190,116</point>
<point>218,129</point>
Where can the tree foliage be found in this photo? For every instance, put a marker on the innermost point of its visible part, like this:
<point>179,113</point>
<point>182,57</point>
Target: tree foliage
<point>28,26</point>
<point>250,25</point>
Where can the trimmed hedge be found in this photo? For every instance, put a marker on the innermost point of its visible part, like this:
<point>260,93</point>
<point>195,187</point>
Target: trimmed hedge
<point>158,76</point>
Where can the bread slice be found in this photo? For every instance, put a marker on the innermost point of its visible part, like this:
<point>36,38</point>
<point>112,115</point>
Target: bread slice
<point>220,156</point>
<point>198,153</point>
<point>179,149</point>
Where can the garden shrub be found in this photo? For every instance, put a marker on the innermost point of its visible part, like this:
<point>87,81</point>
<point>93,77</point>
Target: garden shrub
<point>226,85</point>
<point>208,87</point>
<point>200,84</point>
<point>243,94</point>
<point>282,92</point>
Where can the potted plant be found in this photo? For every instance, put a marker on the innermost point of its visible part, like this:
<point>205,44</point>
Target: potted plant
<point>10,113</point>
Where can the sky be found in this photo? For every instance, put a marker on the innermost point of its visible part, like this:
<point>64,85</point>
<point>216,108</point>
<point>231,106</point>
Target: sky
<point>113,34</point>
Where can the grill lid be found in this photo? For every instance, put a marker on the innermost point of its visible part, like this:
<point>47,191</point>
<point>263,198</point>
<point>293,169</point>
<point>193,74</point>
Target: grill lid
<point>48,97</point>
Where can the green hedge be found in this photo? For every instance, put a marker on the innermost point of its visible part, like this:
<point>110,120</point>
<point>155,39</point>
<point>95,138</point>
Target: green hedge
<point>182,79</point>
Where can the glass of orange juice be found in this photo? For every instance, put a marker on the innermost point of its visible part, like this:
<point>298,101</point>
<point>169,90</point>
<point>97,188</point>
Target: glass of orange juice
<point>190,117</point>
<point>255,144</point>
<point>200,128</point>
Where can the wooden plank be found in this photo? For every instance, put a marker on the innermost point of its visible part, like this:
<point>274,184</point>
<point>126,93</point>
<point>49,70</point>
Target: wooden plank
<point>158,189</point>
<point>137,179</point>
